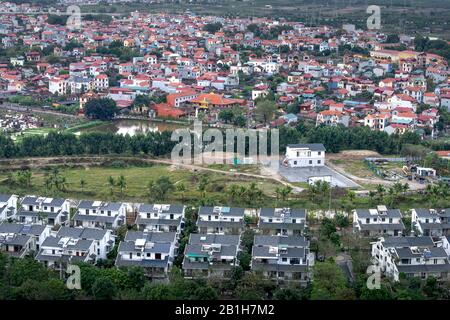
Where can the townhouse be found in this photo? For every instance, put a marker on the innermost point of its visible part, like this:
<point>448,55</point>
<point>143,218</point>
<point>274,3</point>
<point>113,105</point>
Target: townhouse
<point>99,214</point>
<point>153,251</point>
<point>431,222</point>
<point>221,220</point>
<point>8,207</point>
<point>210,255</point>
<point>379,221</point>
<point>282,221</point>
<point>42,210</point>
<point>413,256</point>
<point>282,258</point>
<point>18,240</point>
<point>160,217</point>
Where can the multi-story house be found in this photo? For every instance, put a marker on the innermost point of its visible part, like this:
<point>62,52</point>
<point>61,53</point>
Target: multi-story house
<point>431,222</point>
<point>98,214</point>
<point>160,217</point>
<point>282,221</point>
<point>412,256</point>
<point>282,258</point>
<point>379,221</point>
<point>154,251</point>
<point>8,207</point>
<point>332,118</point>
<point>305,155</point>
<point>18,240</point>
<point>42,210</point>
<point>221,220</point>
<point>209,255</point>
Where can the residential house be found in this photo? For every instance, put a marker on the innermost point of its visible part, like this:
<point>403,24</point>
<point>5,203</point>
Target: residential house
<point>42,210</point>
<point>431,222</point>
<point>160,217</point>
<point>282,258</point>
<point>413,256</point>
<point>282,221</point>
<point>221,220</point>
<point>305,155</point>
<point>209,255</point>
<point>98,214</point>
<point>8,206</point>
<point>18,240</point>
<point>379,221</point>
<point>153,251</point>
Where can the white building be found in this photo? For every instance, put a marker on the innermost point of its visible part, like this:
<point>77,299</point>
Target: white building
<point>282,221</point>
<point>210,255</point>
<point>160,217</point>
<point>305,155</point>
<point>379,221</point>
<point>413,256</point>
<point>18,240</point>
<point>8,206</point>
<point>221,220</point>
<point>154,251</point>
<point>98,214</point>
<point>285,258</point>
<point>431,222</point>
<point>42,210</point>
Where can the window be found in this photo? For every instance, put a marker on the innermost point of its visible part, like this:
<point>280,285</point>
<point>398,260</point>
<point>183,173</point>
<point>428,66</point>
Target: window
<point>310,161</point>
<point>390,220</point>
<point>45,208</point>
<point>298,154</point>
<point>148,215</point>
<point>367,220</point>
<point>294,220</point>
<point>131,256</point>
<point>138,254</point>
<point>148,254</point>
<point>383,219</point>
<point>171,216</point>
<point>209,218</point>
<point>319,161</point>
<point>295,162</point>
<point>284,259</point>
<point>109,213</point>
<point>435,261</point>
<point>319,153</point>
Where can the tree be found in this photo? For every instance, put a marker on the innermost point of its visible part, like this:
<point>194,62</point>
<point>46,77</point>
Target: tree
<point>265,110</point>
<point>104,289</point>
<point>226,115</point>
<point>329,281</point>
<point>159,189</point>
<point>101,109</point>
<point>82,184</point>
<point>112,184</point>
<point>203,183</point>
<point>122,184</point>
<point>181,187</point>
<point>212,27</point>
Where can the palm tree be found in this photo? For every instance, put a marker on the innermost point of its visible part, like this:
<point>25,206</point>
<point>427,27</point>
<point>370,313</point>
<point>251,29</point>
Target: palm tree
<point>380,191</point>
<point>82,184</point>
<point>285,192</point>
<point>181,187</point>
<point>202,185</point>
<point>111,183</point>
<point>122,184</point>
<point>233,192</point>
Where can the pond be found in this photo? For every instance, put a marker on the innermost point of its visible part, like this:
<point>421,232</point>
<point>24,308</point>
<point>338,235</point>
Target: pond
<point>133,127</point>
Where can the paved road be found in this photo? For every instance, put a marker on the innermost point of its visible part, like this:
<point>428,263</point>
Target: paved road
<point>19,108</point>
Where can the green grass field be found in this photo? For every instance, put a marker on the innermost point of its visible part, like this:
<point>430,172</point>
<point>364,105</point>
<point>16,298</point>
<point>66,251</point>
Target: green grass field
<point>137,179</point>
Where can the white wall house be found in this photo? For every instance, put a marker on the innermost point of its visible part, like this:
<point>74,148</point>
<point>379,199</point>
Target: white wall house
<point>210,255</point>
<point>18,240</point>
<point>221,220</point>
<point>154,251</point>
<point>285,258</point>
<point>413,256</point>
<point>98,214</point>
<point>282,221</point>
<point>160,217</point>
<point>42,210</point>
<point>379,221</point>
<point>305,155</point>
<point>431,222</point>
<point>8,206</point>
